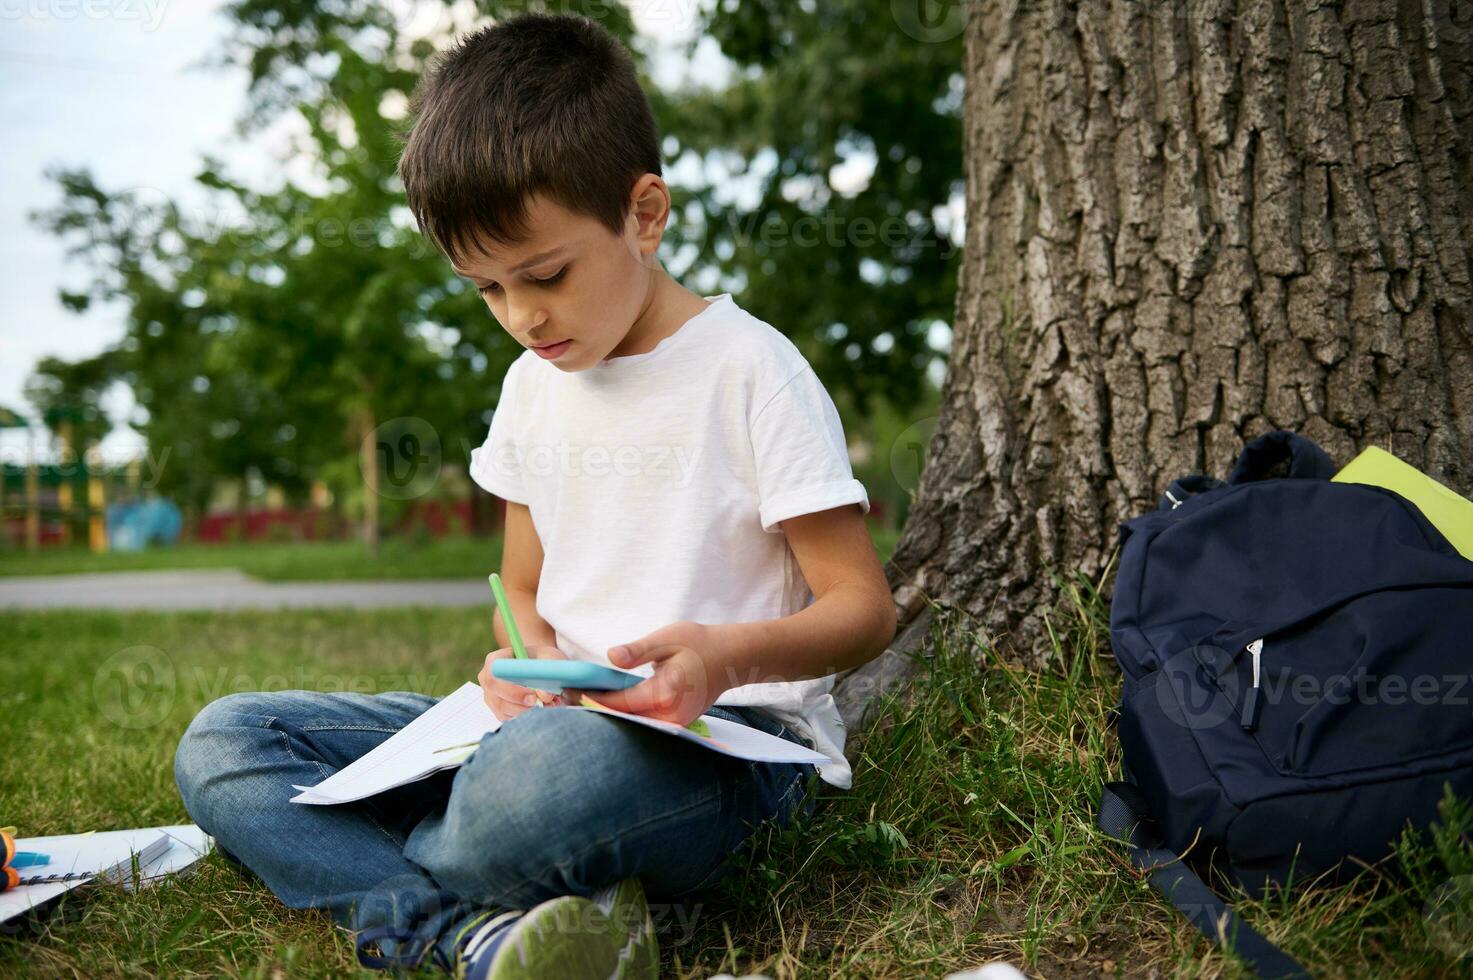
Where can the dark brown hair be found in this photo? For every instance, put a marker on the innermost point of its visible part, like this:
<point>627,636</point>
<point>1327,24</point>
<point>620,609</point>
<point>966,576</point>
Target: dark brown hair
<point>536,104</point>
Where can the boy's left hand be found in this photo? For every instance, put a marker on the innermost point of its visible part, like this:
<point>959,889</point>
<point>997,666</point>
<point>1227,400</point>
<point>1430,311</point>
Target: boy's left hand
<point>689,663</point>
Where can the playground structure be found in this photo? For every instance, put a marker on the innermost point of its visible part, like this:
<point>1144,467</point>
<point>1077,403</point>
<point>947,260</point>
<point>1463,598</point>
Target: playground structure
<point>78,498</point>
<point>61,502</point>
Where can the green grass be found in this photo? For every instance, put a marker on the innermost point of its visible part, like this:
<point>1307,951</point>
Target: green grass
<point>398,558</point>
<point>969,834</point>
<point>299,561</point>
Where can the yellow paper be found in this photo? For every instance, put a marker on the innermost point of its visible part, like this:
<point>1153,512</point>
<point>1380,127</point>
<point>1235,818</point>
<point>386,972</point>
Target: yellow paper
<point>1448,512</point>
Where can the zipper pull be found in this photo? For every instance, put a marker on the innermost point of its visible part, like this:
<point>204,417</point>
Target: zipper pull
<point>1251,703</point>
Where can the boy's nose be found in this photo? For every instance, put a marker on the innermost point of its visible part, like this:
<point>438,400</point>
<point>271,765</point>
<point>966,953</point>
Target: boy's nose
<point>524,319</point>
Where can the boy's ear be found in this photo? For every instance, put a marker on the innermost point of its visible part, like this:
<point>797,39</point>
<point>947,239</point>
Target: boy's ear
<point>649,206</point>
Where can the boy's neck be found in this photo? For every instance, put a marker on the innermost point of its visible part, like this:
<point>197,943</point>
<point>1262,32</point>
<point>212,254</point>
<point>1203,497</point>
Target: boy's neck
<point>668,305</point>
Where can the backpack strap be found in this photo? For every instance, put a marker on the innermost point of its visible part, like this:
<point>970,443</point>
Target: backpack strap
<point>1306,460</point>
<point>1124,815</point>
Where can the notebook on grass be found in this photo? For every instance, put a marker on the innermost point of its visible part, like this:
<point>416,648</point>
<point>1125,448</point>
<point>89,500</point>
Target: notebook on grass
<point>105,857</point>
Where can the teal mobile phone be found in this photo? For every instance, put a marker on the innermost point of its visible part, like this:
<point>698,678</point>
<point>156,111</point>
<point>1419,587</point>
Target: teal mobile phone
<point>554,675</point>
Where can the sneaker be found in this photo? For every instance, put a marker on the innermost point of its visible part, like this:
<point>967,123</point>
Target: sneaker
<point>629,915</point>
<point>608,935</point>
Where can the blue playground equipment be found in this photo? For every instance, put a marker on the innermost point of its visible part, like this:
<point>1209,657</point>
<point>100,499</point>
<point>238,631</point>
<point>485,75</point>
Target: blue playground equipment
<point>135,526</point>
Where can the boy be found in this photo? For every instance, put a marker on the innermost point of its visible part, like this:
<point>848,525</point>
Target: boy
<point>679,503</point>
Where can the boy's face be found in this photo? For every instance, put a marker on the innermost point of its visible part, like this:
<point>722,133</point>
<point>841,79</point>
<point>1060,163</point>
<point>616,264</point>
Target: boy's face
<point>572,290</point>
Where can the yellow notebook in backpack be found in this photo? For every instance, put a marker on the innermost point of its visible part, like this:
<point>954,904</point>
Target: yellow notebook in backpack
<point>1449,513</point>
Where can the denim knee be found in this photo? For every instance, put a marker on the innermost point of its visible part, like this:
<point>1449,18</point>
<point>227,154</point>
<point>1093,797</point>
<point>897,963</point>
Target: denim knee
<point>529,818</point>
<point>208,750</point>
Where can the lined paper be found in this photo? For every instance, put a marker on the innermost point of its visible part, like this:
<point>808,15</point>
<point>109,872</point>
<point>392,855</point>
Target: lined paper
<point>411,753</point>
<point>418,750</point>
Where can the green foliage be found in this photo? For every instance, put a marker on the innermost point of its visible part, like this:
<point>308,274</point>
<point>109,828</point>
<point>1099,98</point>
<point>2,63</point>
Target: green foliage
<point>872,844</point>
<point>269,328</point>
<point>69,393</point>
<point>855,277</point>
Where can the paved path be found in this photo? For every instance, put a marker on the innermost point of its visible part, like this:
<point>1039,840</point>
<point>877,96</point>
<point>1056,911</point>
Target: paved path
<point>227,589</point>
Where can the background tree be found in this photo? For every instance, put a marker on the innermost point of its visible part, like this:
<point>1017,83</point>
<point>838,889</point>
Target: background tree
<point>1189,224</point>
<point>271,329</point>
<point>843,135</point>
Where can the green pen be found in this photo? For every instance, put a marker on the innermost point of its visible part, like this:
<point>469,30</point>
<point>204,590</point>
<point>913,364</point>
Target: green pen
<point>698,726</point>
<point>499,592</point>
<point>509,621</point>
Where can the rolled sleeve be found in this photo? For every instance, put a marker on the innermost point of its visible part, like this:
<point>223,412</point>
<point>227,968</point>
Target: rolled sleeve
<point>801,456</point>
<point>496,465</point>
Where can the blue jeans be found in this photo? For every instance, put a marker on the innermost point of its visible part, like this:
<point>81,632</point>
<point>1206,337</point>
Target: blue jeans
<point>557,802</point>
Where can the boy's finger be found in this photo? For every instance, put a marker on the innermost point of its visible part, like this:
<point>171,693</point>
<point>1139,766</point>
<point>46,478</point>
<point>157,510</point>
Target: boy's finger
<point>508,693</point>
<point>648,697</point>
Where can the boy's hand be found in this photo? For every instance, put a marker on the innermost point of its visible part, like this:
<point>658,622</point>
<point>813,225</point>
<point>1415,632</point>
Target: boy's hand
<point>507,700</point>
<point>688,660</point>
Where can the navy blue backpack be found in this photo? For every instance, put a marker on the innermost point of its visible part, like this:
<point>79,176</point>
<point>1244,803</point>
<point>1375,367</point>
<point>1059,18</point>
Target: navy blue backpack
<point>1298,682</point>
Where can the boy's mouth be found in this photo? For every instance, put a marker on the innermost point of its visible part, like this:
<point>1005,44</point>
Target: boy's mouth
<point>553,351</point>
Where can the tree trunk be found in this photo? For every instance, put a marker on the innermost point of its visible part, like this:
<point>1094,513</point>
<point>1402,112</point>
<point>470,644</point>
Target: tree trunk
<point>1189,224</point>
<point>368,463</point>
<point>243,509</point>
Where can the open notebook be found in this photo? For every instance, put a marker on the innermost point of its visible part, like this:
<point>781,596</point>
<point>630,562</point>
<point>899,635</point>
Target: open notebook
<point>444,736</point>
<point>109,856</point>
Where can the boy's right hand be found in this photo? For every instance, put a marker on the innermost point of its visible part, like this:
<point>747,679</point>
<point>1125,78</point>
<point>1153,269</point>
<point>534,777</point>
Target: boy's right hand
<point>507,700</point>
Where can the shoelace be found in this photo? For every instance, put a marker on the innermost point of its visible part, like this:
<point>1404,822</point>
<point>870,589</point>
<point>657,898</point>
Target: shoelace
<point>489,935</point>
<point>368,937</point>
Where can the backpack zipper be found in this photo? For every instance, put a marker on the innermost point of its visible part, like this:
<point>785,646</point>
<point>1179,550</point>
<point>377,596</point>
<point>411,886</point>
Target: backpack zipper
<point>1251,704</point>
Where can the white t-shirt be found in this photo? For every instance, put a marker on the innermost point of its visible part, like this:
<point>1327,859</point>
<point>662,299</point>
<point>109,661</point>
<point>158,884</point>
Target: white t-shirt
<point>656,482</point>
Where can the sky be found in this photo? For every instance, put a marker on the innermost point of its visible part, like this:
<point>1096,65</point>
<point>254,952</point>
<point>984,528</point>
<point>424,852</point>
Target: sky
<point>103,84</point>
<point>118,87</point>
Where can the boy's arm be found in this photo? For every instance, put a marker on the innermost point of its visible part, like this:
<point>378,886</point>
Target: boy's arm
<point>521,569</point>
<point>850,622</point>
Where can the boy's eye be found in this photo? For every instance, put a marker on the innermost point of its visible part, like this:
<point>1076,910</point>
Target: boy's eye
<point>551,280</point>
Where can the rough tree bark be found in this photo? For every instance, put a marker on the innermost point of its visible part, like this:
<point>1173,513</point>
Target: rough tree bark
<point>1188,224</point>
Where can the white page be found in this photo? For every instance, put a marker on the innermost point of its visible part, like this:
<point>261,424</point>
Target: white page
<point>727,737</point>
<point>418,750</point>
<point>410,754</point>
<point>107,853</point>
<point>84,852</point>
<point>188,845</point>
